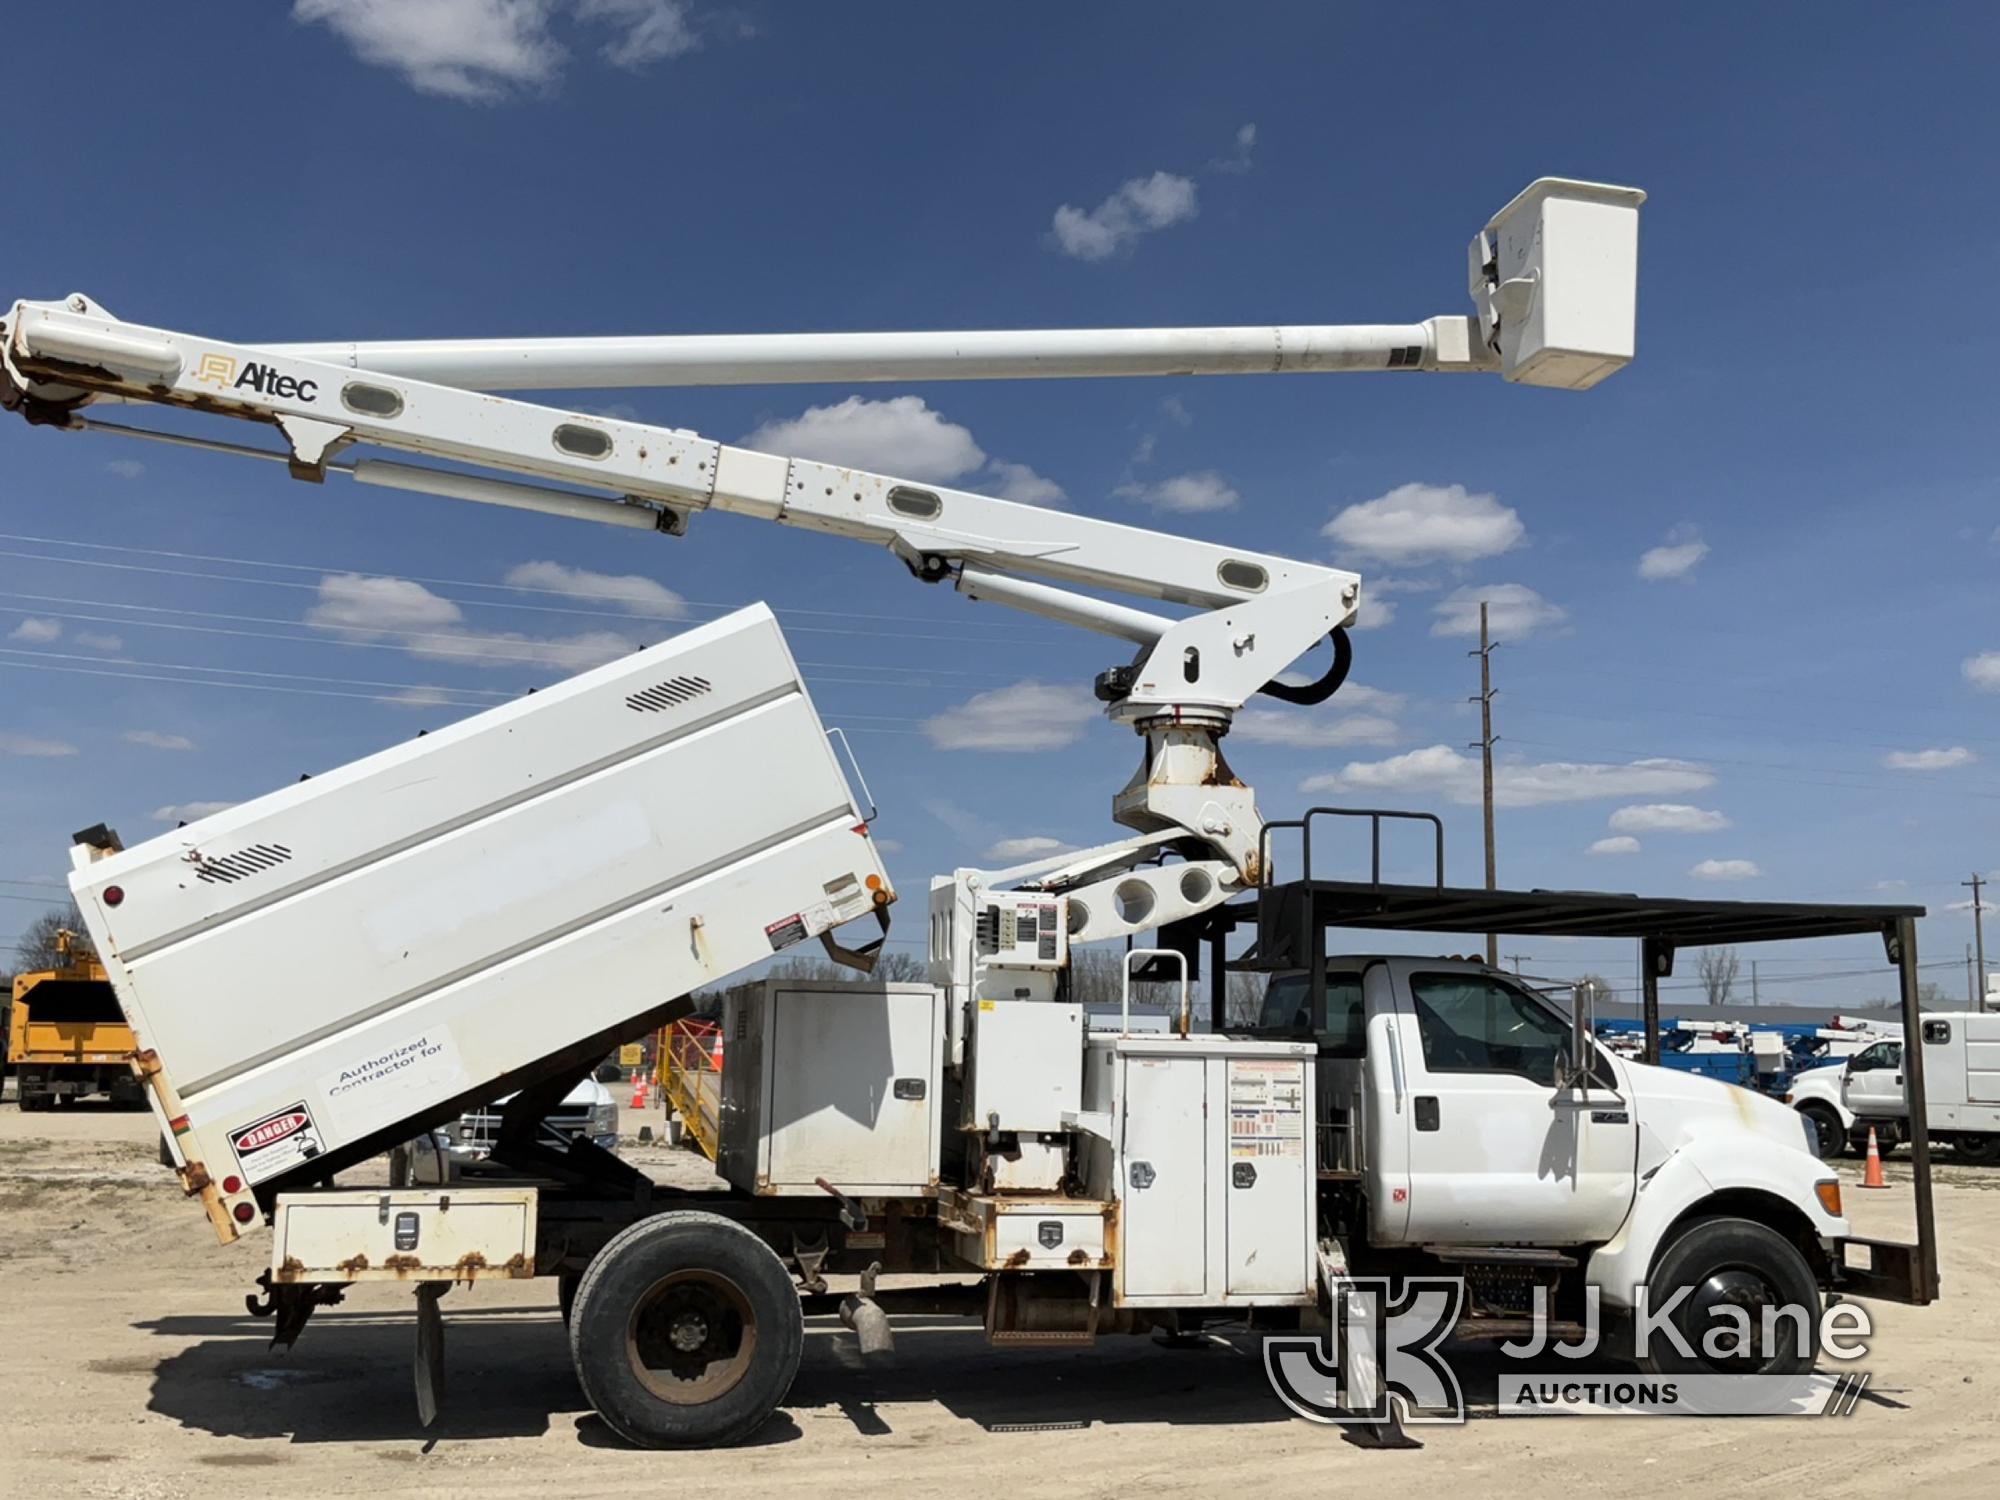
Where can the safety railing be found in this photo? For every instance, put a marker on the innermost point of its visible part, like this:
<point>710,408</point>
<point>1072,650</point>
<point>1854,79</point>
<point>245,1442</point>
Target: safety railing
<point>691,1073</point>
<point>1374,815</point>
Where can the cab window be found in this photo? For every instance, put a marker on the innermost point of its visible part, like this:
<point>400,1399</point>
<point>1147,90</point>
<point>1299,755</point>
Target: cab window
<point>1881,1055</point>
<point>1473,1023</point>
<point>1341,1025</point>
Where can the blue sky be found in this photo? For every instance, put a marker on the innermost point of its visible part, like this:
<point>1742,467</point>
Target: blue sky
<point>1807,432</point>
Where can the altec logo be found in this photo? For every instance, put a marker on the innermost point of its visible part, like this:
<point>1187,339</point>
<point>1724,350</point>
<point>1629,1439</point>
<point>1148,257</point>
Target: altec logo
<point>274,1129</point>
<point>222,372</point>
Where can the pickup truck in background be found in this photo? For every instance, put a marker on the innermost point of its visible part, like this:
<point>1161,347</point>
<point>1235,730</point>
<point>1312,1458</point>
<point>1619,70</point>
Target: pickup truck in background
<point>1961,1083</point>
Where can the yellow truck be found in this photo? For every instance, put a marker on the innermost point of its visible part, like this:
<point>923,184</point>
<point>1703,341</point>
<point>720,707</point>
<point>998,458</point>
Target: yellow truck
<point>67,1038</point>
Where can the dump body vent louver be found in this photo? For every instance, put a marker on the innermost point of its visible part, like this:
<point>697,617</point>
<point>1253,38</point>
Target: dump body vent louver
<point>254,860</point>
<point>665,695</point>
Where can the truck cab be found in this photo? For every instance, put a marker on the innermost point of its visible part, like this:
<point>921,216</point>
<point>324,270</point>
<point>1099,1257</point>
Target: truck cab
<point>1458,1128</point>
<point>1961,1072</point>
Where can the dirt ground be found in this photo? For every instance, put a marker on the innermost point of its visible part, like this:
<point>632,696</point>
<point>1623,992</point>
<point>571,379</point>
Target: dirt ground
<point>128,1367</point>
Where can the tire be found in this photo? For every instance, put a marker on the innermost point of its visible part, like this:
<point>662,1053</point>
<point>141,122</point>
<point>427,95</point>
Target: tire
<point>566,1283</point>
<point>1830,1140</point>
<point>1979,1150</point>
<point>1739,1262</point>
<point>669,1280</point>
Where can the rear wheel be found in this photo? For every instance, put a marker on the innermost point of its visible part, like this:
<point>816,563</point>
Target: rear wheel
<point>1980,1150</point>
<point>1734,1271</point>
<point>686,1332</point>
<point>1829,1140</point>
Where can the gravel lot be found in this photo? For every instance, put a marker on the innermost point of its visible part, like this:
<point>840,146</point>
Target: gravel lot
<point>131,1369</point>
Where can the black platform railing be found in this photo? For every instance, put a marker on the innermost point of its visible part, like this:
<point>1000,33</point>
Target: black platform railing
<point>1374,815</point>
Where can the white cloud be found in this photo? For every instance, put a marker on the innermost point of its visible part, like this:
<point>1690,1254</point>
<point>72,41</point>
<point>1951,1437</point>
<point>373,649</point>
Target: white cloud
<point>1013,851</point>
<point>1514,611</point>
<point>1373,612</point>
<point>1026,716</point>
<point>1137,208</point>
<point>33,748</point>
<point>1983,671</point>
<point>631,591</point>
<point>432,628</point>
<point>1445,772</point>
<point>484,51</point>
<point>1305,730</point>
<point>1184,494</point>
<point>474,50</point>
<point>378,605</point>
<point>126,468</point>
<point>1020,483</point>
<point>1622,844</point>
<point>1420,523</point>
<point>155,739</point>
<point>1929,760</point>
<point>1667,817</point>
<point>1175,411</point>
<point>1246,142</point>
<point>889,846</point>
<point>900,436</point>
<point>189,812</point>
<point>422,696</point>
<point>1726,869</point>
<point>39,632</point>
<point>1676,558</point>
<point>98,640</point>
<point>647,30</point>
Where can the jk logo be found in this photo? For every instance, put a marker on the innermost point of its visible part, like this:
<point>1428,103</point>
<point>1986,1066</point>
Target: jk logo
<point>1379,1350</point>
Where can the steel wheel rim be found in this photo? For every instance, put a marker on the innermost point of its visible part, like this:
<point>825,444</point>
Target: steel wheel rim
<point>692,1337</point>
<point>1739,1286</point>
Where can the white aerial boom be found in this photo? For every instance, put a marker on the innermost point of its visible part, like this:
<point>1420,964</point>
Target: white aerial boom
<point>1553,280</point>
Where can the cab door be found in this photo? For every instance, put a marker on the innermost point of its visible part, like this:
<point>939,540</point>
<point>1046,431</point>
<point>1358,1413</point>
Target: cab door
<point>1496,1152</point>
<point>1873,1086</point>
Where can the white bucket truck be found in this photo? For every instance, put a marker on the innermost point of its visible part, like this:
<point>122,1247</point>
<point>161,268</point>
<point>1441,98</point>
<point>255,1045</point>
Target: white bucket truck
<point>487,910</point>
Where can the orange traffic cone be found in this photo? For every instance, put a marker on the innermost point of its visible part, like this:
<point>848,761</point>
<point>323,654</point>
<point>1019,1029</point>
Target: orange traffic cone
<point>1872,1178</point>
<point>639,1092</point>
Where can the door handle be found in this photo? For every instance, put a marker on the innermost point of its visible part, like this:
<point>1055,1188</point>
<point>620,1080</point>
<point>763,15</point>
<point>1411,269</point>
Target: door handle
<point>1426,1111</point>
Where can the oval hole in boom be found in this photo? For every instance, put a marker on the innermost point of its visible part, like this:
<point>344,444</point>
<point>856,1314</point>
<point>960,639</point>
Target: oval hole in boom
<point>919,505</point>
<point>579,441</point>
<point>371,400</point>
<point>1247,576</point>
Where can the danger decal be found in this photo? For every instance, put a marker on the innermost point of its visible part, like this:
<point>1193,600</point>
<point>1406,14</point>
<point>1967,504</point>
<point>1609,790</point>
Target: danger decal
<point>276,1143</point>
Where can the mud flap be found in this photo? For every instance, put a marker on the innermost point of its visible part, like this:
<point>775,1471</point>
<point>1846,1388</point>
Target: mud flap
<point>430,1351</point>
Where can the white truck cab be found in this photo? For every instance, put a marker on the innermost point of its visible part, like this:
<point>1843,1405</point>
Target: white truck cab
<point>1961,1083</point>
<point>1448,1089</point>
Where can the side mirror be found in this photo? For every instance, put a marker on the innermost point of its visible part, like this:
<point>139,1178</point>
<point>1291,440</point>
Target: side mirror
<point>610,1072</point>
<point>1575,1069</point>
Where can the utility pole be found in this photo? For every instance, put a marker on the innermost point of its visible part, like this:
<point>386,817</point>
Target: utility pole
<point>1972,996</point>
<point>1485,702</point>
<point>1754,1002</point>
<point>1979,935</point>
<point>1515,960</point>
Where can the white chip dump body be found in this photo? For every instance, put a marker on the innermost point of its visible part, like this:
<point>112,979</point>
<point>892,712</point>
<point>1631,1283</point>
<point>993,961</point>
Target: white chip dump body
<point>349,956</point>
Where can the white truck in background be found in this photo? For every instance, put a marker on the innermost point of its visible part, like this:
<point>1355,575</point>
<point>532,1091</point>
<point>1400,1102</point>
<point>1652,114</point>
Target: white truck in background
<point>1961,1088</point>
<point>489,909</point>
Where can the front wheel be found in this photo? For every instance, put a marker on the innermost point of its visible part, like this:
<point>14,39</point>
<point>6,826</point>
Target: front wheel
<point>1980,1150</point>
<point>1829,1140</point>
<point>1737,1276</point>
<point>686,1332</point>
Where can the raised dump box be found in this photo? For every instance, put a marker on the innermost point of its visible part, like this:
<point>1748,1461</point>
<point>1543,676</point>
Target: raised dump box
<point>315,975</point>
